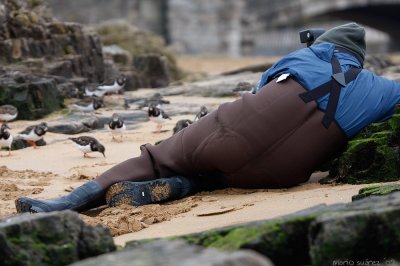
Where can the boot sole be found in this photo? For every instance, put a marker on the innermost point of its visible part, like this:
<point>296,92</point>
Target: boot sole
<point>137,193</point>
<point>22,206</point>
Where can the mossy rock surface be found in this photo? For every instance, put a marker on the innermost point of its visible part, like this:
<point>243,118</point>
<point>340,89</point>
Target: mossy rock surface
<point>356,235</point>
<point>376,191</point>
<point>367,229</point>
<point>283,240</point>
<point>56,238</point>
<point>371,157</point>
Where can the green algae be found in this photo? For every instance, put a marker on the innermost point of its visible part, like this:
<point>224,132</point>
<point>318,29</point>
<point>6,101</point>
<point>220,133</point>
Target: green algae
<point>40,246</point>
<point>367,160</point>
<point>380,190</point>
<point>357,235</point>
<point>284,241</point>
<point>371,157</point>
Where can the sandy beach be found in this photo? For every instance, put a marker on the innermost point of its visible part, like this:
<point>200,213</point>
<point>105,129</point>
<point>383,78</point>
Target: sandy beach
<point>58,167</point>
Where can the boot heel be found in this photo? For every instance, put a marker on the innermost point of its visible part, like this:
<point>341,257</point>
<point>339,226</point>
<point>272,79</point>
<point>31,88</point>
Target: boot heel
<point>22,206</point>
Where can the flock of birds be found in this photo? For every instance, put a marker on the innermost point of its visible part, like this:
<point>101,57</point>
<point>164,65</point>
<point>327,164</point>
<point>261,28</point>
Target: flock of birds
<point>116,124</point>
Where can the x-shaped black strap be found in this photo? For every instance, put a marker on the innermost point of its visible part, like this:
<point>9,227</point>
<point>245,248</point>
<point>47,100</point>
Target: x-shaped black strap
<point>339,80</point>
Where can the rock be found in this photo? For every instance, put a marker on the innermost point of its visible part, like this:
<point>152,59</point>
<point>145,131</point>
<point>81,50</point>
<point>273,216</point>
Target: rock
<point>376,191</point>
<point>36,45</point>
<point>63,68</point>
<point>370,157</point>
<point>146,50</point>
<point>18,144</point>
<point>79,123</point>
<point>251,68</point>
<point>284,240</point>
<point>70,89</point>
<point>85,124</point>
<point>117,54</point>
<point>57,238</point>
<point>377,63</point>
<point>69,129</point>
<point>217,86</point>
<point>366,229</point>
<point>155,99</point>
<point>171,253</point>
<point>33,99</point>
<point>151,71</point>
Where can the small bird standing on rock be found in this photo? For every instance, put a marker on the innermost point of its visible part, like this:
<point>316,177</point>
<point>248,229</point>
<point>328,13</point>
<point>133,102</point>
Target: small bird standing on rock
<point>158,116</point>
<point>33,133</point>
<point>8,112</point>
<point>113,86</point>
<point>90,92</point>
<point>203,112</point>
<point>242,88</point>
<point>116,126</point>
<point>156,100</point>
<point>6,138</point>
<point>88,144</point>
<point>181,124</point>
<point>88,104</point>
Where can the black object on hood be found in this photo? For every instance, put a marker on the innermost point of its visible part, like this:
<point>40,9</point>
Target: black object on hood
<point>349,36</point>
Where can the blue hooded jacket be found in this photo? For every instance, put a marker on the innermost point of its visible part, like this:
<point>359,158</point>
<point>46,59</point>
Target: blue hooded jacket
<point>369,98</point>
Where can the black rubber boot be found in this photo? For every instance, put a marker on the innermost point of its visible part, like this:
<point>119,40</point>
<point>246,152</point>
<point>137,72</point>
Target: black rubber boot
<point>148,192</point>
<point>85,197</point>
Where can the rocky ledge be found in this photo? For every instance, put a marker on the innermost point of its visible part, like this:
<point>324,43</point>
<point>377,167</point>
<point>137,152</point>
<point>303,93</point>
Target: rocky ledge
<point>364,231</point>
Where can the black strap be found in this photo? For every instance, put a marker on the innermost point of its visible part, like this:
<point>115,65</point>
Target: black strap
<point>339,80</point>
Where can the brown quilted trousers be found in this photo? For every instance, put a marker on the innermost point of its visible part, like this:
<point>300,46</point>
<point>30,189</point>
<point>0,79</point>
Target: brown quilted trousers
<point>271,139</point>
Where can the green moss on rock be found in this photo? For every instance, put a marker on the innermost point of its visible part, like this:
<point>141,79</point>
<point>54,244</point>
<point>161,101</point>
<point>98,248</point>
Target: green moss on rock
<point>284,241</point>
<point>376,191</point>
<point>371,157</point>
<point>356,235</point>
<point>58,238</point>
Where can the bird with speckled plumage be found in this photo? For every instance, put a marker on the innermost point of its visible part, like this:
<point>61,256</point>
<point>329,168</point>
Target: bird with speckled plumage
<point>6,138</point>
<point>88,144</point>
<point>158,116</point>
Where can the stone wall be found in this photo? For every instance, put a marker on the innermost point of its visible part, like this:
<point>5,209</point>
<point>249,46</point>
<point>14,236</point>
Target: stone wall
<point>223,27</point>
<point>209,26</point>
<point>144,14</point>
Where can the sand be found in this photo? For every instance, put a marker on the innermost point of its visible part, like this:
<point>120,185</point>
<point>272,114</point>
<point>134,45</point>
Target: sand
<point>55,169</point>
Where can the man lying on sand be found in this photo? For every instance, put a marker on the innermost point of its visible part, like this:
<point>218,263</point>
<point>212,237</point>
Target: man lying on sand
<point>307,106</point>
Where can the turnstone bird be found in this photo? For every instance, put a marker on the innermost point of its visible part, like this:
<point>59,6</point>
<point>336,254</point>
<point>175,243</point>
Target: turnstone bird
<point>113,86</point>
<point>181,124</point>
<point>88,104</point>
<point>91,91</point>
<point>34,133</point>
<point>116,126</point>
<point>8,112</point>
<point>88,144</point>
<point>156,99</point>
<point>126,104</point>
<point>242,88</point>
<point>158,116</point>
<point>6,138</point>
<point>203,112</point>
